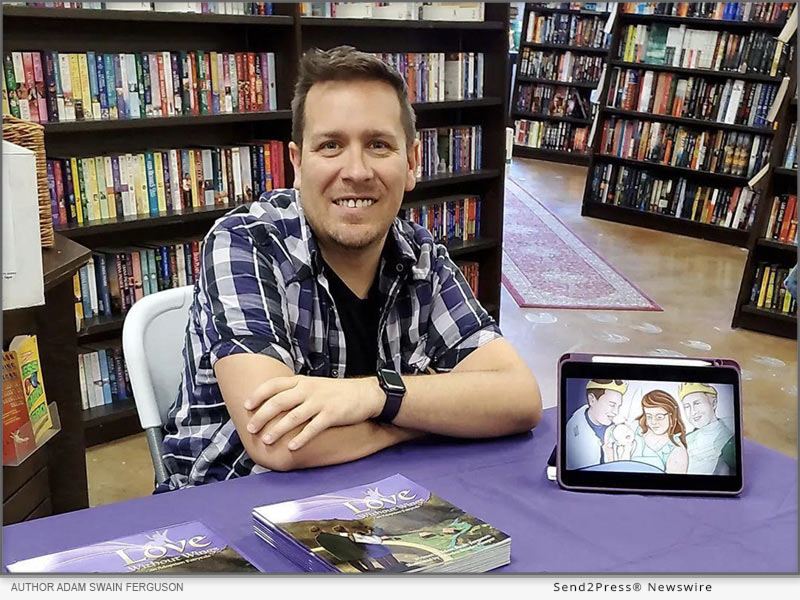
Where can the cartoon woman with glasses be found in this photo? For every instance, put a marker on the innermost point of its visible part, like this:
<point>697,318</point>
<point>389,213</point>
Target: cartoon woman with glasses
<point>661,436</point>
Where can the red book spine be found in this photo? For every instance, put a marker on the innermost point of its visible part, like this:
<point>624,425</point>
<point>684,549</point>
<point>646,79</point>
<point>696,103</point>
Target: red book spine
<point>244,104</point>
<point>193,100</point>
<point>788,215</point>
<point>162,84</point>
<point>30,85</point>
<point>280,173</point>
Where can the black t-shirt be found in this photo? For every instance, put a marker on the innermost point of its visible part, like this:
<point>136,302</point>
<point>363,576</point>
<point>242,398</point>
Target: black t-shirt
<point>359,320</point>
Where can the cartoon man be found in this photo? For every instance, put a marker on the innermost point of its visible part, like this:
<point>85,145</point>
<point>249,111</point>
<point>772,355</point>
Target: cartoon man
<point>710,435</point>
<point>586,428</point>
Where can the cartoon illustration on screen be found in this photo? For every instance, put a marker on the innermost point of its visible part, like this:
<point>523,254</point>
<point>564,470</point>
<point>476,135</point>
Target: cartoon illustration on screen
<point>588,432</point>
<point>651,427</point>
<point>710,436</point>
<point>661,435</point>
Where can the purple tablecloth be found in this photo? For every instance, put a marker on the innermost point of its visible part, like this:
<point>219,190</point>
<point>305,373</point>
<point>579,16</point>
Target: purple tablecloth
<point>503,482</point>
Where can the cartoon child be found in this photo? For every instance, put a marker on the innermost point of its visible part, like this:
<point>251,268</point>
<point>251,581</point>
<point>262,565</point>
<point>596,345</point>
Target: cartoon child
<point>661,436</point>
<point>710,435</point>
<point>588,425</point>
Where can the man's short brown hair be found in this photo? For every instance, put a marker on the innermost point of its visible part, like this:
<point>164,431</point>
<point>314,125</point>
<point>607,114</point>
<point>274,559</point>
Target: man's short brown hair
<point>345,63</point>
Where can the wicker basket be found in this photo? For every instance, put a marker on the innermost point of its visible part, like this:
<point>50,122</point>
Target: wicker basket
<point>31,136</point>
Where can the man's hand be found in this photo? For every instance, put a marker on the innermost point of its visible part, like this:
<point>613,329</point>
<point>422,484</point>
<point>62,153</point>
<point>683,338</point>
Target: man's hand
<point>318,401</point>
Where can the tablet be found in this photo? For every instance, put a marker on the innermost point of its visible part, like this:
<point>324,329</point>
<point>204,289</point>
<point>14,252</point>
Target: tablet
<point>644,424</point>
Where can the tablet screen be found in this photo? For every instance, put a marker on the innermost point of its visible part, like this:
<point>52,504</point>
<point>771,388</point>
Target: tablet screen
<point>661,427</point>
<point>634,427</point>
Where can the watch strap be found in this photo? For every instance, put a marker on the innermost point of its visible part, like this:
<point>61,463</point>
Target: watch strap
<point>390,408</point>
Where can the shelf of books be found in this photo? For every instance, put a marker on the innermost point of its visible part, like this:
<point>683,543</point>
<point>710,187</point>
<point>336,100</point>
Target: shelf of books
<point>763,304</point>
<point>149,142</point>
<point>686,117</point>
<point>563,52</point>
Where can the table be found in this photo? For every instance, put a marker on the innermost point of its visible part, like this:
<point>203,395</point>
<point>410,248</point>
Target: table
<point>503,482</point>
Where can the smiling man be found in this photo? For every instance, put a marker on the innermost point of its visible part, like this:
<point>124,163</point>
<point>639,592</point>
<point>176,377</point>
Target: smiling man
<point>323,327</point>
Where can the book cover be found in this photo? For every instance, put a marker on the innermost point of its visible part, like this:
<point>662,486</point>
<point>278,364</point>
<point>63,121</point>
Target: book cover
<point>26,353</point>
<point>18,438</point>
<point>183,548</point>
<point>391,525</point>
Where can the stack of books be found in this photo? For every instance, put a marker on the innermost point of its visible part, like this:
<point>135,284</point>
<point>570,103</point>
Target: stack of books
<point>553,101</point>
<point>183,548</point>
<point>758,12</point>
<point>564,137</point>
<point>677,197</point>
<point>584,6</point>
<point>567,30</point>
<point>456,218</point>
<point>392,526</point>
<point>116,278</point>
<point>768,291</point>
<point>85,190</point>
<point>50,87</point>
<point>732,101</point>
<point>215,8</point>
<point>470,269</point>
<point>103,376</point>
<point>398,11</point>
<point>560,66</point>
<point>449,150</point>
<point>438,76</point>
<point>755,52</point>
<point>782,224</point>
<point>714,151</point>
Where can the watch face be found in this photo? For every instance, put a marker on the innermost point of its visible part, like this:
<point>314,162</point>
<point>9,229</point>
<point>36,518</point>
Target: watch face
<point>392,381</point>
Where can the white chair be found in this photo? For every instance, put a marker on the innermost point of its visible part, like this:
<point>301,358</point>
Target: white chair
<point>152,341</point>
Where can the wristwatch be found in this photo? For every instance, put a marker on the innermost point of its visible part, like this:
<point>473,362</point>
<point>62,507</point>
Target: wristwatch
<point>394,388</point>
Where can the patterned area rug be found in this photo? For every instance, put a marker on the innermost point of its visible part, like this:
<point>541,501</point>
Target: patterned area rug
<point>545,265</point>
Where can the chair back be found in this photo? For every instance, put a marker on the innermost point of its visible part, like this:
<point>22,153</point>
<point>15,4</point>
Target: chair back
<point>152,342</point>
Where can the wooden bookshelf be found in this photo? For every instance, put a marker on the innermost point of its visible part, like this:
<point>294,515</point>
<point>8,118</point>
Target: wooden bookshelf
<point>633,114</point>
<point>701,23</point>
<point>589,85</point>
<point>287,35</point>
<point>696,72</point>
<point>53,480</point>
<point>578,49</point>
<point>658,221</point>
<point>583,88</point>
<point>762,249</point>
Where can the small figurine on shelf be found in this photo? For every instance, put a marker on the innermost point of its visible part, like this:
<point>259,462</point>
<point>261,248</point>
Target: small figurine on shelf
<point>790,283</point>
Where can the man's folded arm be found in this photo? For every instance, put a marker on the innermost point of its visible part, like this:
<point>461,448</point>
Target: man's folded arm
<point>490,392</point>
<point>239,374</point>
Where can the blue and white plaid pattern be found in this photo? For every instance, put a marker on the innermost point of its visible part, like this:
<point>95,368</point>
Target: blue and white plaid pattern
<point>262,290</point>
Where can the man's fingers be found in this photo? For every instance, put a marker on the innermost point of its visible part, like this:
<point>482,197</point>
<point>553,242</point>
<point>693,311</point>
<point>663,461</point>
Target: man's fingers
<point>281,402</point>
<point>268,389</point>
<point>299,415</point>
<point>317,425</point>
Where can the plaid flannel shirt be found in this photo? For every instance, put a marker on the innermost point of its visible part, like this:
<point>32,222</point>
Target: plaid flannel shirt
<point>262,289</point>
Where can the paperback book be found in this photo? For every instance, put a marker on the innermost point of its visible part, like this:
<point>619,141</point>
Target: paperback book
<point>184,548</point>
<point>393,526</point>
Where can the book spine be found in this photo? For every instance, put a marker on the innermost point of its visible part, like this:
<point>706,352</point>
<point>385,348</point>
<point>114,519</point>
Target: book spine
<point>52,86</point>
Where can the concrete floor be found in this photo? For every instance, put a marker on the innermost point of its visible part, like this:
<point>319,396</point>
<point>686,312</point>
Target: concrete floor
<point>694,281</point>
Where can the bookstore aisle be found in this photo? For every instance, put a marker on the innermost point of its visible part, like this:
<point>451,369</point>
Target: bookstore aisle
<point>694,281</point>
